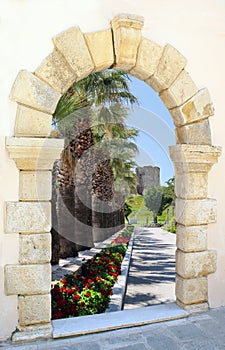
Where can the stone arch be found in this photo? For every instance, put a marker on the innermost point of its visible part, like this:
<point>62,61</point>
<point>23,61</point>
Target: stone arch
<point>75,56</point>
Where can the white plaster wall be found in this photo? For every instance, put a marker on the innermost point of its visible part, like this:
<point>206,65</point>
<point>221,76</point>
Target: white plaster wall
<point>195,28</point>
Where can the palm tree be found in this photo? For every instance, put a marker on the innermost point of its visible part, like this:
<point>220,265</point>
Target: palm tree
<point>72,118</point>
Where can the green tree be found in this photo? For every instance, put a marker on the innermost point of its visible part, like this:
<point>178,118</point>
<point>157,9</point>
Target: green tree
<point>127,210</point>
<point>116,139</point>
<point>102,94</point>
<point>153,199</point>
<point>168,195</point>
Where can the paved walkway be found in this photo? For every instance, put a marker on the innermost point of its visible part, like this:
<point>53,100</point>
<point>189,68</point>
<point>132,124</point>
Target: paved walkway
<point>204,331</point>
<point>200,332</point>
<point>151,278</point>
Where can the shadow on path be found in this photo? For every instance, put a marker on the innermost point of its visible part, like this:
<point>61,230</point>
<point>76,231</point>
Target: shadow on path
<point>151,278</point>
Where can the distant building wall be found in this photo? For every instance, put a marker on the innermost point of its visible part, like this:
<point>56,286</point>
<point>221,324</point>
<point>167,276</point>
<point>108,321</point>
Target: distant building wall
<point>147,176</point>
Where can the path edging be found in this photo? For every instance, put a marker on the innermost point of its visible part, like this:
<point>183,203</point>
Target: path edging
<point>119,289</point>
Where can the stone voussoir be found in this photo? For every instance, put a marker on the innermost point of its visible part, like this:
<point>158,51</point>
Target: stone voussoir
<point>149,54</point>
<point>32,123</point>
<point>197,108</point>
<point>34,309</point>
<point>34,248</point>
<point>27,279</point>
<point>196,134</point>
<point>170,66</point>
<point>127,36</point>
<point>192,291</point>
<point>195,264</point>
<point>71,44</point>
<point>100,46</point>
<point>28,217</point>
<point>191,238</point>
<point>55,71</point>
<point>192,212</point>
<point>182,89</point>
<point>31,91</point>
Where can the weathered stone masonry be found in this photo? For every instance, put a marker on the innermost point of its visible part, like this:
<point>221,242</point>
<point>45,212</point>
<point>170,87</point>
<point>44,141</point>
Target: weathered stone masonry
<point>76,55</point>
<point>147,176</point>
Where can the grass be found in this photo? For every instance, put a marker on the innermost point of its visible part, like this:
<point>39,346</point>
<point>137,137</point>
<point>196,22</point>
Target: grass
<point>142,216</point>
<point>140,212</point>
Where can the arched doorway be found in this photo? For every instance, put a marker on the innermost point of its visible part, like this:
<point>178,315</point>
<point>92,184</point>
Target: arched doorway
<point>75,56</point>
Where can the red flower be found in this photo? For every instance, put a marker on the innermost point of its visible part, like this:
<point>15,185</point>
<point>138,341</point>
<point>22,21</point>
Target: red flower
<point>61,303</point>
<point>58,314</point>
<point>56,288</point>
<point>88,294</point>
<point>76,297</point>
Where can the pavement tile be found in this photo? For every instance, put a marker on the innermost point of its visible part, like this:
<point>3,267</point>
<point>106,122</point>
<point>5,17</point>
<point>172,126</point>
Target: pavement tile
<point>200,345</point>
<point>138,346</point>
<point>211,327</point>
<point>86,346</point>
<point>60,344</point>
<point>163,342</point>
<point>218,315</point>
<point>186,332</point>
<point>127,339</point>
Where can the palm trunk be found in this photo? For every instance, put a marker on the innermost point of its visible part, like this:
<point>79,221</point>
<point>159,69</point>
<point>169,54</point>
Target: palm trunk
<point>54,229</point>
<point>102,195</point>
<point>66,205</point>
<point>74,215</point>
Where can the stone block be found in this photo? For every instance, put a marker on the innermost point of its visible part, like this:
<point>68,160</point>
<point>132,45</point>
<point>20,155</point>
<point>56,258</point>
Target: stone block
<point>72,46</point>
<point>194,158</point>
<point>197,108</point>
<point>100,45</point>
<point>182,89</point>
<point>31,91</point>
<point>35,185</point>
<point>196,264</point>
<point>34,309</point>
<point>127,36</point>
<point>35,248</point>
<point>32,123</point>
<point>192,212</point>
<point>27,279</point>
<point>170,66</point>
<point>55,71</point>
<point>192,291</point>
<point>191,238</point>
<point>26,217</point>
<point>148,57</point>
<point>191,185</point>
<point>195,134</point>
<point>34,153</point>
<point>194,308</point>
<point>32,333</point>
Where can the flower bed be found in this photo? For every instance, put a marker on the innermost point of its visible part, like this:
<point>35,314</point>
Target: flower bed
<point>89,293</point>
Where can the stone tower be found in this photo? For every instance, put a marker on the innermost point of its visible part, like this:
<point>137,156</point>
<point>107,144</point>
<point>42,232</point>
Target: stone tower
<point>147,176</point>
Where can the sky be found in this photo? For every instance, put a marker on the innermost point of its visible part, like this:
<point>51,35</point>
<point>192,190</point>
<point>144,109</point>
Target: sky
<point>156,129</point>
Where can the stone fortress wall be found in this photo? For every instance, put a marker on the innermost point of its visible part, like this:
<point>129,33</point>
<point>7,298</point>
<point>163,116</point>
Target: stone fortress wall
<point>147,176</point>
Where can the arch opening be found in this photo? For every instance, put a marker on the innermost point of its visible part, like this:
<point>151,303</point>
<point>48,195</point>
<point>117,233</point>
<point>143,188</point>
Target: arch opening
<point>163,68</point>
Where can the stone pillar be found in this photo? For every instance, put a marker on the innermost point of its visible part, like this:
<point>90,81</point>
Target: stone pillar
<point>31,218</point>
<point>193,212</point>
